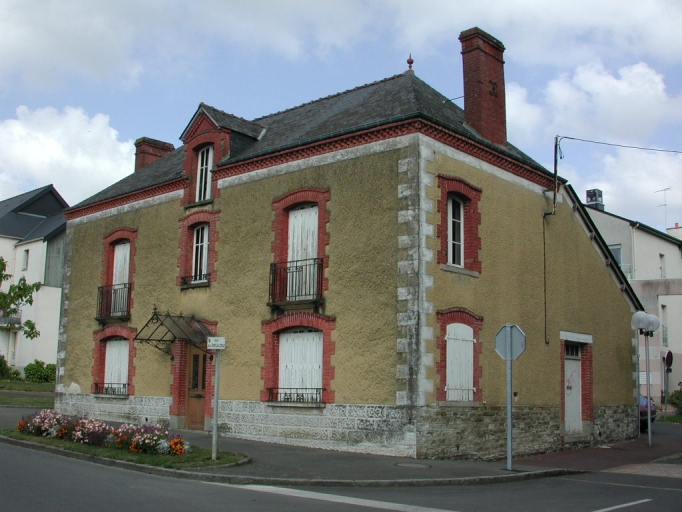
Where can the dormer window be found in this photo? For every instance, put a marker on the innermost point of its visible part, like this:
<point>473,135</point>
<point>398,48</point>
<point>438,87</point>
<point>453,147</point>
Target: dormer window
<point>204,168</point>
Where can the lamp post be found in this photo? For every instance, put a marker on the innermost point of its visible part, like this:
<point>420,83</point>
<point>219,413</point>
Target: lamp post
<point>646,325</point>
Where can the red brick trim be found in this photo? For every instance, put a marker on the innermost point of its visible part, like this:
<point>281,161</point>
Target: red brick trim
<point>186,243</point>
<point>99,351</point>
<point>457,315</point>
<point>270,348</point>
<point>280,224</point>
<point>586,381</point>
<point>471,196</point>
<point>432,130</point>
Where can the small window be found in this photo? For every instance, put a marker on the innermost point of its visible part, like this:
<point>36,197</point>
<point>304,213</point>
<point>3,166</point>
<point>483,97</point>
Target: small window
<point>24,261</point>
<point>455,231</point>
<point>572,351</point>
<point>200,260</point>
<point>616,253</point>
<point>204,167</point>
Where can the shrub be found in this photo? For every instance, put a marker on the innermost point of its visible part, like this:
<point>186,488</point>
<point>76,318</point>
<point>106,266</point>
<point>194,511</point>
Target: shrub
<point>7,373</point>
<point>675,399</point>
<point>37,371</point>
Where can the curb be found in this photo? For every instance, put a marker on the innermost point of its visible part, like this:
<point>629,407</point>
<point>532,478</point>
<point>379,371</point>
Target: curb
<point>290,482</point>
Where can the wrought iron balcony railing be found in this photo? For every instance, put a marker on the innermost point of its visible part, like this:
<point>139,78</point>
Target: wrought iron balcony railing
<point>113,302</point>
<point>293,281</point>
<point>300,395</point>
<point>8,320</point>
<point>195,279</point>
<point>110,388</point>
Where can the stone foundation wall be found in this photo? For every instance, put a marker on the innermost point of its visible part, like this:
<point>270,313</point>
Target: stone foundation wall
<point>376,429</point>
<point>480,433</point>
<point>133,409</point>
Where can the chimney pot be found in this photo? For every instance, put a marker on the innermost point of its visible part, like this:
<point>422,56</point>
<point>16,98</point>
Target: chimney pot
<point>484,89</point>
<point>148,150</point>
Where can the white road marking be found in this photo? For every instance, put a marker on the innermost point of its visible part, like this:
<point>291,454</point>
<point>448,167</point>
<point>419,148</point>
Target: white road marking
<point>295,493</point>
<point>624,505</point>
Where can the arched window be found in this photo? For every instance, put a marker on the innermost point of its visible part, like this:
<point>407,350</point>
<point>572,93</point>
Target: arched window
<point>200,272</point>
<point>204,168</point>
<point>455,231</point>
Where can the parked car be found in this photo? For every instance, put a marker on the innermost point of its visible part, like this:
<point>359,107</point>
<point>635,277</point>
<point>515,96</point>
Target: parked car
<point>642,412</point>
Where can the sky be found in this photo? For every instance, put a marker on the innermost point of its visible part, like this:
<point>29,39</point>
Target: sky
<point>81,80</point>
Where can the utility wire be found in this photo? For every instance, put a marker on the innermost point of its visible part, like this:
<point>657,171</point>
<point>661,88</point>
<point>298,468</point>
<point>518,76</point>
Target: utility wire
<point>618,145</point>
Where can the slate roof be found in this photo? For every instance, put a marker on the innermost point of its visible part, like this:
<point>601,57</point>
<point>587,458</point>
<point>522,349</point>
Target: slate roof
<point>33,215</point>
<point>393,99</point>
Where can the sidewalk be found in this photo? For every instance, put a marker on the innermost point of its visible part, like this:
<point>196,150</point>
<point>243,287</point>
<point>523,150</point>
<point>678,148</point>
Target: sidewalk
<point>274,464</point>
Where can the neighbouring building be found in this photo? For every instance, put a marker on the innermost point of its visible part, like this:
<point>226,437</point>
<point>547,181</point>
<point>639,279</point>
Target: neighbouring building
<point>359,254</point>
<point>32,233</point>
<point>652,262</point>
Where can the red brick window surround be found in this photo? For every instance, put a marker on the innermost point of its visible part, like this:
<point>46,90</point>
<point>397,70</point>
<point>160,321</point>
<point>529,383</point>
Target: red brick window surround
<point>110,241</point>
<point>586,381</point>
<point>270,349</point>
<point>280,225</point>
<point>467,196</point>
<point>457,315</point>
<point>101,337</point>
<point>198,228</point>
<point>199,165</point>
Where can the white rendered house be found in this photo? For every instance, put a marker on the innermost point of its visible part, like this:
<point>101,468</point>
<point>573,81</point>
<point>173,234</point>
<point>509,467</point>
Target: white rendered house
<point>652,262</point>
<point>32,231</point>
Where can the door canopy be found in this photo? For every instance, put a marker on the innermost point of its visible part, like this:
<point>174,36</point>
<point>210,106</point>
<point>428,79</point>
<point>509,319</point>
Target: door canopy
<point>162,329</point>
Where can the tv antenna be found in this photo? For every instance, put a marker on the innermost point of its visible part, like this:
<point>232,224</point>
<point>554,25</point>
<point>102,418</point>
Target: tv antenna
<point>664,205</point>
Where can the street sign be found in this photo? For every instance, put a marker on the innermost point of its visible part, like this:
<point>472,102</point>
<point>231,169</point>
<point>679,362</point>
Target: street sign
<point>668,359</point>
<point>215,343</point>
<point>518,341</point>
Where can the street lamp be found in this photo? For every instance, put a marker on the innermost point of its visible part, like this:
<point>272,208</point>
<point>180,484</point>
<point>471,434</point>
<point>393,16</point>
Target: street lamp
<point>646,325</point>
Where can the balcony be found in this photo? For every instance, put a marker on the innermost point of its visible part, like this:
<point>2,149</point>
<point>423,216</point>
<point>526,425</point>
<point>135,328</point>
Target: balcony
<point>296,282</point>
<point>113,303</point>
<point>295,395</point>
<point>112,389</point>
<point>10,320</point>
<point>195,281</point>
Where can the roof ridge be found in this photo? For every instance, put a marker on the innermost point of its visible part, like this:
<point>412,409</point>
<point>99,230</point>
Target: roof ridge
<point>26,193</point>
<point>331,96</point>
<point>203,104</point>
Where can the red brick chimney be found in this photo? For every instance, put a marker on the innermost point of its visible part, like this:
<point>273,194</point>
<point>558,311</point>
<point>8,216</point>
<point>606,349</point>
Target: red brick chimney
<point>484,102</point>
<point>148,150</point>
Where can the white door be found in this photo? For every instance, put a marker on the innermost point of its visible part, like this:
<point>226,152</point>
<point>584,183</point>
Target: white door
<point>300,364</point>
<point>120,277</point>
<point>302,271</point>
<point>459,363</point>
<point>572,391</point>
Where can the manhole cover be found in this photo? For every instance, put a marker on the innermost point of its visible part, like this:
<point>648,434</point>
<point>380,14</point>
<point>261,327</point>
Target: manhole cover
<point>412,465</point>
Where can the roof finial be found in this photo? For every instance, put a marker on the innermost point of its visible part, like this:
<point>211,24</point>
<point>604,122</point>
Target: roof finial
<point>410,61</point>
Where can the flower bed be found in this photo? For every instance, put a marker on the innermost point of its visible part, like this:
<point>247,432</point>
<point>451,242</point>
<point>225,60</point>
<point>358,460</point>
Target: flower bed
<point>152,439</point>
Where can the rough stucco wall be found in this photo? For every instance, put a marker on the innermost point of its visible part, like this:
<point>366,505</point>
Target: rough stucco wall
<point>361,274</point>
<point>580,292</point>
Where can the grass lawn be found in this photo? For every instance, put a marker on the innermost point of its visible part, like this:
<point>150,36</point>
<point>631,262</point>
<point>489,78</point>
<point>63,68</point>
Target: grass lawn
<point>197,458</point>
<point>24,385</point>
<point>672,419</point>
<point>39,402</point>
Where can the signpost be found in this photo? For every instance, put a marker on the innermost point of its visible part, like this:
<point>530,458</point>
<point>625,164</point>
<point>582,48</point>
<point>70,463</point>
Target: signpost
<point>510,342</point>
<point>218,344</point>
<point>668,361</point>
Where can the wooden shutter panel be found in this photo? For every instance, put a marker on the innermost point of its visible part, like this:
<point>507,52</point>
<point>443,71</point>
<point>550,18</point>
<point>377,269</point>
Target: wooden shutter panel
<point>460,363</point>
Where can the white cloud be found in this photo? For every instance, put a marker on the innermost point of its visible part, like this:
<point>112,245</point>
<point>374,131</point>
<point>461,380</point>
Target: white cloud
<point>79,154</point>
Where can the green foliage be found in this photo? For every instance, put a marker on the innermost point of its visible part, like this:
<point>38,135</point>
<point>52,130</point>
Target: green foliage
<point>37,371</point>
<point>675,398</point>
<point>17,295</point>
<point>7,373</point>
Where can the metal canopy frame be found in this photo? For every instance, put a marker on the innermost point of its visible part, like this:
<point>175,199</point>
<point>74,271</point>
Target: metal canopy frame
<point>162,329</point>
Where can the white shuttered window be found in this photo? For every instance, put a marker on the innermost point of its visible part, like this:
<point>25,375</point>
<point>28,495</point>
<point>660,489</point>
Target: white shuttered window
<point>116,364</point>
<point>200,260</point>
<point>120,277</point>
<point>460,363</point>
<point>300,359</point>
<point>301,271</point>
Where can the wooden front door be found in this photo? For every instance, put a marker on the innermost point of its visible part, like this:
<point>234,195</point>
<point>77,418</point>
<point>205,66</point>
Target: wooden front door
<point>196,388</point>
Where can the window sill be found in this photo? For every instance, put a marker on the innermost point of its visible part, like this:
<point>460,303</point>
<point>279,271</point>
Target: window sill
<point>107,395</point>
<point>198,203</point>
<point>203,284</point>
<point>459,270</point>
<point>305,405</point>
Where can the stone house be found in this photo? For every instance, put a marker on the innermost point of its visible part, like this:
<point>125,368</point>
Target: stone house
<point>359,254</point>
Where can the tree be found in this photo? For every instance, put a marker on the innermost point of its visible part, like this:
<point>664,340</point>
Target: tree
<point>16,296</point>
